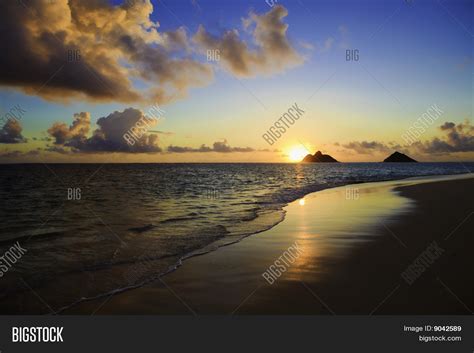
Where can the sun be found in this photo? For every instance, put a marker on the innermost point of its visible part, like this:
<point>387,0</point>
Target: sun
<point>297,153</point>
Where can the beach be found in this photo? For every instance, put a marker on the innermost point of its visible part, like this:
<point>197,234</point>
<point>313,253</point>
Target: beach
<point>354,247</point>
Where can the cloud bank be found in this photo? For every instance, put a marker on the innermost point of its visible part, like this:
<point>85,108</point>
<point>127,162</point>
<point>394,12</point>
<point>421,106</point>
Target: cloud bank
<point>273,52</point>
<point>219,146</point>
<point>108,137</point>
<point>93,50</point>
<point>366,147</point>
<point>455,138</point>
<point>78,129</point>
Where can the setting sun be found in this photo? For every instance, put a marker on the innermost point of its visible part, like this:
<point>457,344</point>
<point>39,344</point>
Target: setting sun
<point>296,154</point>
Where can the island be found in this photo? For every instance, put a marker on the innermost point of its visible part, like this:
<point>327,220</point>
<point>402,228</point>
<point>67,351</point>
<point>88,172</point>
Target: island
<point>398,157</point>
<point>319,157</point>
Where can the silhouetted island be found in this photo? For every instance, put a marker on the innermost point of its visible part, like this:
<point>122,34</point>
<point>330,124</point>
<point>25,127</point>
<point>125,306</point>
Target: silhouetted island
<point>318,157</point>
<point>398,157</point>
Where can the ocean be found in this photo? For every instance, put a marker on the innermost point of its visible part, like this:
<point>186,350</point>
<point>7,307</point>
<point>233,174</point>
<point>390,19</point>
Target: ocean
<point>90,230</point>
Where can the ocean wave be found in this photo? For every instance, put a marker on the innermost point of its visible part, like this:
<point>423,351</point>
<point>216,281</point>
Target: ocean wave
<point>160,230</point>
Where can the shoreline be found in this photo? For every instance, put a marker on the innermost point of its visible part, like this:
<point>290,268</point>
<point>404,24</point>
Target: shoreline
<point>119,273</point>
<point>158,286</point>
<point>228,241</point>
<point>224,242</point>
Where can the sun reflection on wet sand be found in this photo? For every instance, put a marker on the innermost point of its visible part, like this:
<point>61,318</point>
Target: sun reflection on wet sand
<point>327,231</point>
<point>330,222</point>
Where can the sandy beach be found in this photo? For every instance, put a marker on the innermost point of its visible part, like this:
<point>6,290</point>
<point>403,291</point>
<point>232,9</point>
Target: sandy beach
<point>354,243</point>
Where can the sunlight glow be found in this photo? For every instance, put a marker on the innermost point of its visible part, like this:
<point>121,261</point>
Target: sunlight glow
<point>297,153</point>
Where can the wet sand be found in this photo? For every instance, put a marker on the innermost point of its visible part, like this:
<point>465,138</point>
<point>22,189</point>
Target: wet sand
<point>353,244</point>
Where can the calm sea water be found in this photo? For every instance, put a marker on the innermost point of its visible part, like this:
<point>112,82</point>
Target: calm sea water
<point>95,229</point>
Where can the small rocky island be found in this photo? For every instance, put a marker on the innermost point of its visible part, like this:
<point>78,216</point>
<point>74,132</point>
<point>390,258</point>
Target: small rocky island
<point>398,157</point>
<point>318,157</point>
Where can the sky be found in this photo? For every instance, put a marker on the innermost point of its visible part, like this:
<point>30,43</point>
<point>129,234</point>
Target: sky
<point>216,81</point>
